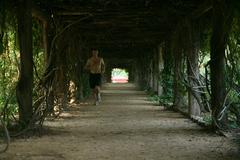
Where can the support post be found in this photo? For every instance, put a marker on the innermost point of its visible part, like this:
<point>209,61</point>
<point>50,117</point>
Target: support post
<point>25,83</point>
<point>160,68</point>
<point>222,19</point>
<point>178,57</point>
<point>193,69</point>
<point>151,72</point>
<point>155,70</point>
<point>108,74</point>
<point>177,102</point>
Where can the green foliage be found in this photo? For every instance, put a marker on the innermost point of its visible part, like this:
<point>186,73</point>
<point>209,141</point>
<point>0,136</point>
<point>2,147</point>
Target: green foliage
<point>119,72</point>
<point>9,66</point>
<point>39,62</point>
<point>233,56</point>
<point>166,99</point>
<point>166,80</point>
<point>8,76</point>
<point>233,75</point>
<point>38,52</point>
<point>152,96</point>
<point>232,72</point>
<point>1,48</point>
<point>207,118</point>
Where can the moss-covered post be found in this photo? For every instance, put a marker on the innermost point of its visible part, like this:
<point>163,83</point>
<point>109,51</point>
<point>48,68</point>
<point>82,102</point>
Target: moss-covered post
<point>25,84</point>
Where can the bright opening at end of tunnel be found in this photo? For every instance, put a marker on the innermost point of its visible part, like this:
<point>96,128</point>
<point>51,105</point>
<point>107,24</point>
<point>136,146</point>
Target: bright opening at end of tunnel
<point>119,75</point>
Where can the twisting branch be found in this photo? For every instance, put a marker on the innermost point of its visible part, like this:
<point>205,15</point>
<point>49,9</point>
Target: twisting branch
<point>203,101</point>
<point>54,41</point>
<point>6,133</point>
<point>201,86</point>
<point>45,86</point>
<point>206,78</point>
<point>41,105</point>
<point>67,27</point>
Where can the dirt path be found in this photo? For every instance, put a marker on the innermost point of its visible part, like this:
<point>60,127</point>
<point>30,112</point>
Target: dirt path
<point>124,127</point>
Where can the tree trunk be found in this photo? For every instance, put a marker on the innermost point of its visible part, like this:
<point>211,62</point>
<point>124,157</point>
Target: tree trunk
<point>221,26</point>
<point>25,83</point>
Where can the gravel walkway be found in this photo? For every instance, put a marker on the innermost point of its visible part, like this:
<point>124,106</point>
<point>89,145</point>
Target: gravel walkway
<point>125,126</point>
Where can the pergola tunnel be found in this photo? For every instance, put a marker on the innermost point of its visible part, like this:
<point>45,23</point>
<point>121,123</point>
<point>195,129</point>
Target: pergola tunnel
<point>184,54</point>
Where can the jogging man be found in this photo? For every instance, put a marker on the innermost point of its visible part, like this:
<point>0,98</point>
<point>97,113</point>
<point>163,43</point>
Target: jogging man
<point>96,67</point>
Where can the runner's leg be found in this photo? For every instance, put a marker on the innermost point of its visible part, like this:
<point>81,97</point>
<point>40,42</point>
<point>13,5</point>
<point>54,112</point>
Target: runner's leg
<point>98,93</point>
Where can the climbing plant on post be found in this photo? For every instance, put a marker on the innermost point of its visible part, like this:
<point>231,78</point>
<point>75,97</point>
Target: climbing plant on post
<point>222,18</point>
<point>25,83</point>
<point>166,75</point>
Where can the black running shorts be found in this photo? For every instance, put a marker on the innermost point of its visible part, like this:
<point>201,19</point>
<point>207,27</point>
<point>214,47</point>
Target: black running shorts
<point>95,80</point>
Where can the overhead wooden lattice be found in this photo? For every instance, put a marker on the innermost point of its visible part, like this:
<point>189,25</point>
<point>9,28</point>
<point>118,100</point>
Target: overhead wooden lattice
<point>123,22</point>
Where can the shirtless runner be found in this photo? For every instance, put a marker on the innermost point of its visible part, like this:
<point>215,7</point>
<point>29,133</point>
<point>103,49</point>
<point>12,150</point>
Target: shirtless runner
<point>96,67</point>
